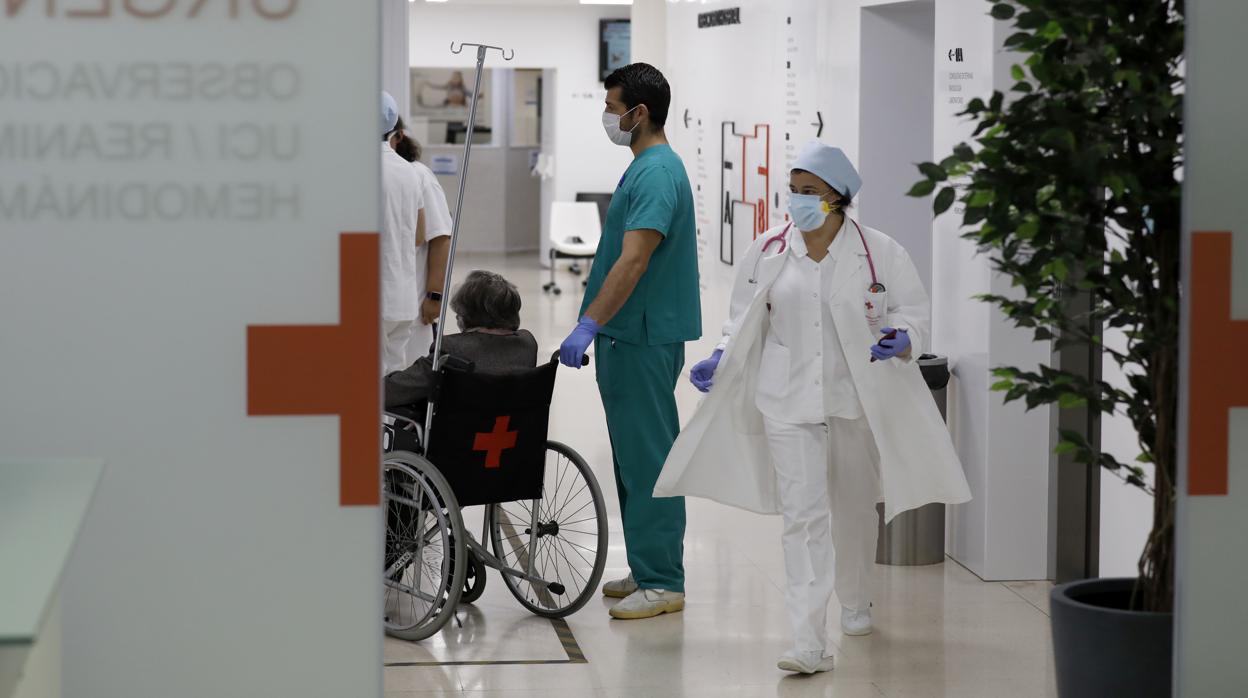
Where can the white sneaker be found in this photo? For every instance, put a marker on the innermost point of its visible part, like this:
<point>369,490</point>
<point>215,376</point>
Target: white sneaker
<point>856,622</point>
<point>620,588</point>
<point>806,662</point>
<point>648,603</point>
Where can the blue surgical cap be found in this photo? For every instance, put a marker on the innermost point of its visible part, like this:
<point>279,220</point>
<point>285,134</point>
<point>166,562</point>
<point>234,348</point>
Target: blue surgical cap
<point>389,113</point>
<point>831,165</point>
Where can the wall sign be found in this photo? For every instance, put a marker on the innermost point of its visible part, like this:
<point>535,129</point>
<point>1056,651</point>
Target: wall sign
<point>444,165</point>
<point>719,18</point>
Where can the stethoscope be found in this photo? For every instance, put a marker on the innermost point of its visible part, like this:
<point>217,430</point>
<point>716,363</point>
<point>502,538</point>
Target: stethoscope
<point>783,238</point>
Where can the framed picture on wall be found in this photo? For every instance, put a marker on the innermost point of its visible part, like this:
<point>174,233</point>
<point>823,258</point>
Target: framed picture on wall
<point>441,100</point>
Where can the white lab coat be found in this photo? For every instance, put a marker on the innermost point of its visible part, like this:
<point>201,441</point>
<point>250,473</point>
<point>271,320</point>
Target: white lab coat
<point>438,224</point>
<point>401,274</point>
<point>722,454</point>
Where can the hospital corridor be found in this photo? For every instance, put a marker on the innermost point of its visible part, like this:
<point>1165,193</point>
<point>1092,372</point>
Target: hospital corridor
<point>623,349</point>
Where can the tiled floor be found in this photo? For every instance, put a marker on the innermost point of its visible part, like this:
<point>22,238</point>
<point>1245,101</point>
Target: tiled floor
<point>940,630</point>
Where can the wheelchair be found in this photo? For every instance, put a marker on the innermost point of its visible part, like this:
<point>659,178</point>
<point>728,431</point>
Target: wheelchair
<point>545,521</point>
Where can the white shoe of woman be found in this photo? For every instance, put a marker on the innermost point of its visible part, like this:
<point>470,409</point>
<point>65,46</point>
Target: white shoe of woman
<point>856,622</point>
<point>806,662</point>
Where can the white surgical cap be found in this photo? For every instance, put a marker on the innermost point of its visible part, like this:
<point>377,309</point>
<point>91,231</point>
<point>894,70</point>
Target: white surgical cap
<point>389,113</point>
<point>831,165</point>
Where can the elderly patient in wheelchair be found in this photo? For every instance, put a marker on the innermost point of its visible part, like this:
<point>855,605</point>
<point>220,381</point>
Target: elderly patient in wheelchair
<point>487,309</point>
<point>544,525</point>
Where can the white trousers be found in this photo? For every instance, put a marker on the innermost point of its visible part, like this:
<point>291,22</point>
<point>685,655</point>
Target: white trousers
<point>829,485</point>
<point>396,345</point>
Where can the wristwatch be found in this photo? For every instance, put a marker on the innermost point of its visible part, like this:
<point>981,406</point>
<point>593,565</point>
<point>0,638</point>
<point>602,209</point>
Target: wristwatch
<point>434,296</point>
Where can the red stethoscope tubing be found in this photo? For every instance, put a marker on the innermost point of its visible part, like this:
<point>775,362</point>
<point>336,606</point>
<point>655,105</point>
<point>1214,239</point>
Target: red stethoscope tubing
<point>783,239</point>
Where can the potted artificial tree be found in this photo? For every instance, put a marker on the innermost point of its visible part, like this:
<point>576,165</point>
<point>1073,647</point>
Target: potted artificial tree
<point>1073,191</point>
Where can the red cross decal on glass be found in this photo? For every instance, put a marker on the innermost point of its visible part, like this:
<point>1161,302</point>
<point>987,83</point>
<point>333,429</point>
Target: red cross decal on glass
<point>870,305</point>
<point>1214,387</point>
<point>331,369</point>
<point>495,442</point>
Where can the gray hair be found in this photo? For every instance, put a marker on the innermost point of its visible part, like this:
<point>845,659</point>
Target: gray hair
<point>487,301</point>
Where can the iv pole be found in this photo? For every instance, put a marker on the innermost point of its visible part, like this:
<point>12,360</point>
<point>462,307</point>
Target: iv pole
<point>459,210</point>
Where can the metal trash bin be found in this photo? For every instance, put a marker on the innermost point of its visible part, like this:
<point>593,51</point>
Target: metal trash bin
<point>917,537</point>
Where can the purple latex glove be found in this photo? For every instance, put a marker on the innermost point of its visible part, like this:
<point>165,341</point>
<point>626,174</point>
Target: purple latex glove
<point>704,371</point>
<point>888,347</point>
<point>572,351</point>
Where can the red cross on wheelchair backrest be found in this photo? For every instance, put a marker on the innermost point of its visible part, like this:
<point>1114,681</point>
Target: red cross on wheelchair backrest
<point>495,442</point>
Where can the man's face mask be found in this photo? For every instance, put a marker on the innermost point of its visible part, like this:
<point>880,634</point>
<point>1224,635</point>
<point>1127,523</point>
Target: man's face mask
<point>611,124</point>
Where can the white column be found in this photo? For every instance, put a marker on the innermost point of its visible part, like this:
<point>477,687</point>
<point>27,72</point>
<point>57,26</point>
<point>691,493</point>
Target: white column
<point>649,33</point>
<point>395,68</point>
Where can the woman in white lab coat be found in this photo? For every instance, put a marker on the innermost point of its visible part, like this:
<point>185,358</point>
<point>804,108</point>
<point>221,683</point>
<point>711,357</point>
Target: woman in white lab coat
<point>817,409</point>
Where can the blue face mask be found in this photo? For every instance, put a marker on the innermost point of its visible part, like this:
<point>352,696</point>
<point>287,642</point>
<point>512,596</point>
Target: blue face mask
<point>808,211</point>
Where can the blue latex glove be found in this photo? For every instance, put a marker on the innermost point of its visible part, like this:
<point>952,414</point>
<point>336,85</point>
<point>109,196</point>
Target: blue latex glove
<point>704,371</point>
<point>572,351</point>
<point>888,348</point>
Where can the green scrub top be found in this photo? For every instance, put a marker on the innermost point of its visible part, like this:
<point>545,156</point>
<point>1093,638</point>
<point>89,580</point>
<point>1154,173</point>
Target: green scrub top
<point>665,308</point>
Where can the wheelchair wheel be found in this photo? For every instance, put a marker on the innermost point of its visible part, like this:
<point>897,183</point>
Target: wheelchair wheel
<point>425,557</point>
<point>474,580</point>
<point>571,546</point>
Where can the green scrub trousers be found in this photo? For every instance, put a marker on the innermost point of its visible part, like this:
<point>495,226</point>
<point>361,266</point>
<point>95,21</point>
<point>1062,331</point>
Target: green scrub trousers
<point>637,383</point>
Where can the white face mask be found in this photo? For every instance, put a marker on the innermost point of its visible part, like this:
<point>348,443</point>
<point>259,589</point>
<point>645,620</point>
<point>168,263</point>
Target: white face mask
<point>611,124</point>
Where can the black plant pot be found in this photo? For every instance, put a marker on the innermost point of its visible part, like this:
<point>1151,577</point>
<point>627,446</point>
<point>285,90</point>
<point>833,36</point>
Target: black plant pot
<point>1102,648</point>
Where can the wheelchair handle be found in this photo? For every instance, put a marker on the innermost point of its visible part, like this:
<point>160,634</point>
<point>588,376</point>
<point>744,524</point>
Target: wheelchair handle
<point>584,359</point>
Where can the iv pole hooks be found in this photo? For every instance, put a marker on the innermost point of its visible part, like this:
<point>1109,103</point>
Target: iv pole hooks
<point>508,54</point>
<point>459,209</point>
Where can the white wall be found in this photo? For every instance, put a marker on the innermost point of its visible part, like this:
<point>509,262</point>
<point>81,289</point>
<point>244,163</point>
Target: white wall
<point>1126,510</point>
<point>395,76</point>
<point>896,115</point>
<point>1003,533</point>
<point>584,159</point>
<point>215,559</point>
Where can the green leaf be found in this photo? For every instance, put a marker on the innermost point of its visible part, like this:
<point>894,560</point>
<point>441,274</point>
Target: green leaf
<point>1059,138</point>
<point>1002,385</point>
<point>923,188</point>
<point>1059,269</point>
<point>1071,400</point>
<point>1028,230</point>
<point>983,197</point>
<point>1016,39</point>
<point>1065,447</point>
<point>1144,458</point>
<point>944,200</point>
<point>964,152</point>
<point>1016,71</point>
<point>1002,11</point>
<point>1115,184</point>
<point>933,171</point>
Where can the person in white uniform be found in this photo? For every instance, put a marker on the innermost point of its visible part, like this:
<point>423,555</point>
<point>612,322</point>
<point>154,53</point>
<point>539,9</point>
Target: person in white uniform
<point>431,258</point>
<point>817,409</point>
<point>402,232</point>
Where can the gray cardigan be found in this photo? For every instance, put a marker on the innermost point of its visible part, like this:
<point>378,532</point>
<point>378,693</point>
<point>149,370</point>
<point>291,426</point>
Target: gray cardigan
<point>492,353</point>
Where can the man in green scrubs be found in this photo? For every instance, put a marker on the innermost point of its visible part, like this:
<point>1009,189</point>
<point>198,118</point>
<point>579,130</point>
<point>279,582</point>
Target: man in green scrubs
<point>641,306</point>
